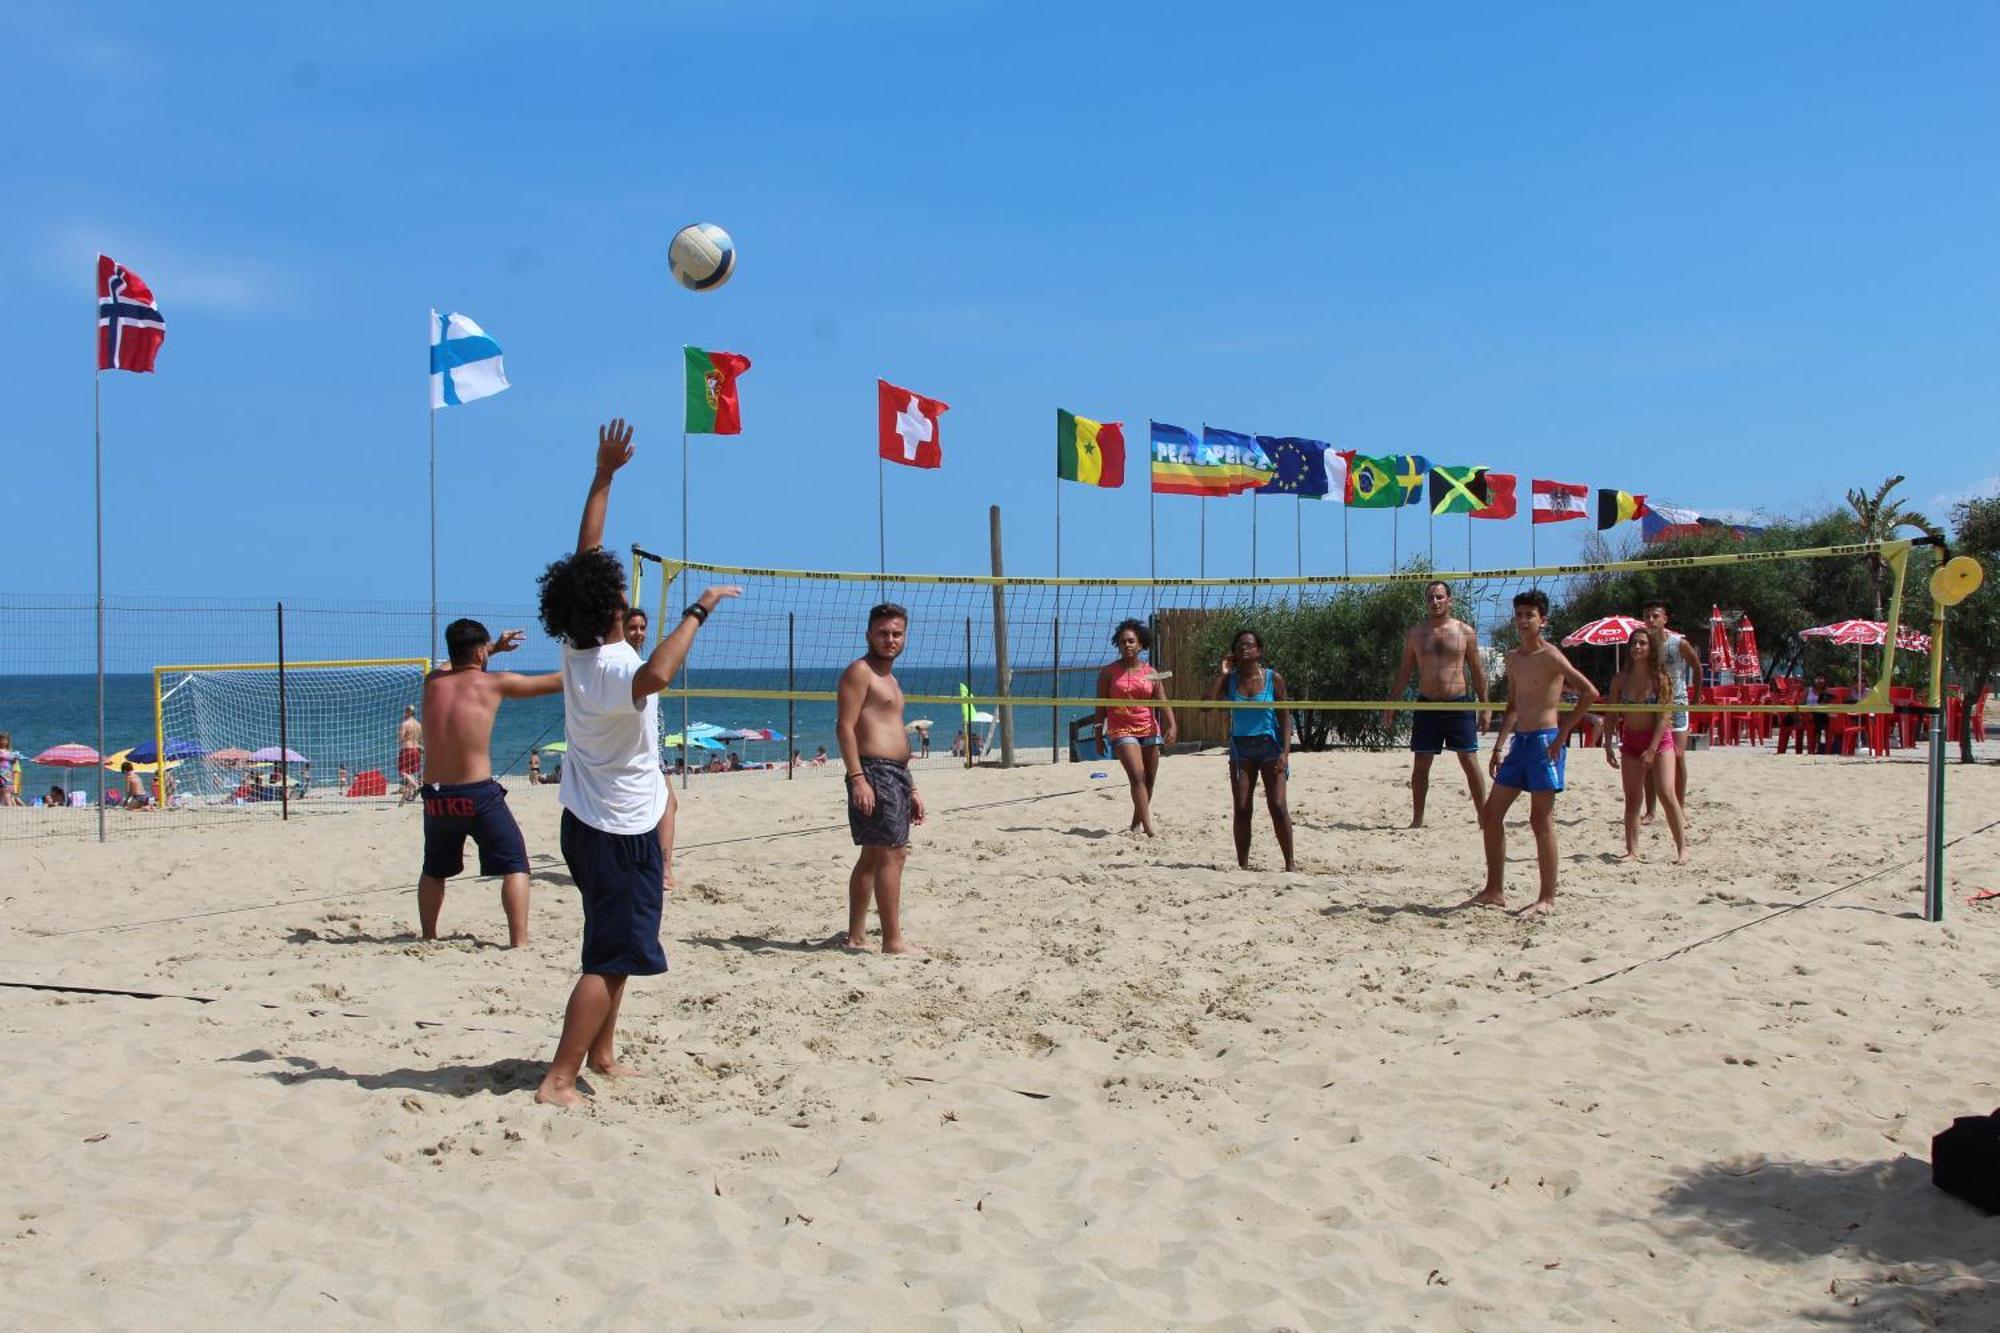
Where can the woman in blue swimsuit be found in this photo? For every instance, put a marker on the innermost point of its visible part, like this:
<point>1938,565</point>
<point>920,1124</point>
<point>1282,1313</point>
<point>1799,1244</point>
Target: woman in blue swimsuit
<point>1260,741</point>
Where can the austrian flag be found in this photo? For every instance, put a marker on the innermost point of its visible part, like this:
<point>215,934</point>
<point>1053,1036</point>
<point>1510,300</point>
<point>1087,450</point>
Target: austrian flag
<point>1559,501</point>
<point>907,426</point>
<point>130,328</point>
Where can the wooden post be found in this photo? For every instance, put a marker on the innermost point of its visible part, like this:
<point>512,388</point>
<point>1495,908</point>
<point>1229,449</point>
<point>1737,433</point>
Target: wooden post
<point>791,693</point>
<point>284,737</point>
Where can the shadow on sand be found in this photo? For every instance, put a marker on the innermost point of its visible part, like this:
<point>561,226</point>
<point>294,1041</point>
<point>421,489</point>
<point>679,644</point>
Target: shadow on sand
<point>307,935</point>
<point>1897,1251</point>
<point>499,1079</point>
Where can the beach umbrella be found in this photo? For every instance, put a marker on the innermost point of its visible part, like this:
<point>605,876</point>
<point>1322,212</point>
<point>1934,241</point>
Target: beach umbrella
<point>70,754</point>
<point>1748,663</point>
<point>556,747</point>
<point>146,752</point>
<point>675,741</point>
<point>1720,659</point>
<point>118,761</point>
<point>921,724</point>
<point>1608,632</point>
<point>229,758</point>
<point>271,754</point>
<point>704,730</point>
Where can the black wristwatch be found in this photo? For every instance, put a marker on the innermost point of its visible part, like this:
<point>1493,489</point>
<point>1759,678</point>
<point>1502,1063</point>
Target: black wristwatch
<point>698,611</point>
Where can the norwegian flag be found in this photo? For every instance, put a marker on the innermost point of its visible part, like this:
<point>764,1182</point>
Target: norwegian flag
<point>130,327</point>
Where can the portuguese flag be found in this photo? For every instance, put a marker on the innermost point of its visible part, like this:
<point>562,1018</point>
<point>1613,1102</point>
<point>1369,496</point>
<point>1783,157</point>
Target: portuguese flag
<point>1092,452</point>
<point>711,388</point>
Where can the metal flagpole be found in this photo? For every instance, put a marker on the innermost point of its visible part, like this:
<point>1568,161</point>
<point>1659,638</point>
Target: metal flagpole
<point>1468,543</point>
<point>1395,530</point>
<point>97,450</point>
<point>1532,526</point>
<point>1055,639</point>
<point>434,526</point>
<point>1346,566</point>
<point>1201,564</point>
<point>1431,520</point>
<point>1253,535</point>
<point>1298,536</point>
<point>687,763</point>
<point>1152,549</point>
<point>881,530</point>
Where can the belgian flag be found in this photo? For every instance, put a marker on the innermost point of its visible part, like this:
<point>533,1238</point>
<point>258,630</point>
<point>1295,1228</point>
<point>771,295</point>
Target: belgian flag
<point>1091,452</point>
<point>1615,507</point>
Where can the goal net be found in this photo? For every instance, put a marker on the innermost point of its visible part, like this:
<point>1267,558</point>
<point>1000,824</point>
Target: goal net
<point>319,736</point>
<point>1027,651</point>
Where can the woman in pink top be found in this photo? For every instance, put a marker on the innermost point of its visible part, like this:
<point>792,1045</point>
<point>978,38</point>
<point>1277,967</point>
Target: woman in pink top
<point>1133,732</point>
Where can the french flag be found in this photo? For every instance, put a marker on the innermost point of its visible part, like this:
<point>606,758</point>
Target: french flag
<point>130,327</point>
<point>1558,501</point>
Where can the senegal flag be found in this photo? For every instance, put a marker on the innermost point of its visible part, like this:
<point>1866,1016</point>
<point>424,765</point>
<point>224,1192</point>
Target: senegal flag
<point>1092,452</point>
<point>711,390</point>
<point>1371,482</point>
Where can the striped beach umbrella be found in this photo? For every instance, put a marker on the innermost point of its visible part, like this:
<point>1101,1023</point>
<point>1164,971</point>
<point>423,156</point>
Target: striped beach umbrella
<point>1608,632</point>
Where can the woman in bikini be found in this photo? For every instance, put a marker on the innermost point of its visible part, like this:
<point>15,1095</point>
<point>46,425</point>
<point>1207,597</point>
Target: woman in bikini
<point>1134,732</point>
<point>1645,741</point>
<point>1260,741</point>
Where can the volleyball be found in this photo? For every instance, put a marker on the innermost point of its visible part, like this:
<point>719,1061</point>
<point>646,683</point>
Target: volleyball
<point>702,257</point>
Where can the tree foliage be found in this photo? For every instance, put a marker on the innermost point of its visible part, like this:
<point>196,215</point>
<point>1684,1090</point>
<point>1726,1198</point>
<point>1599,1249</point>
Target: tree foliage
<point>1880,516</point>
<point>1972,628</point>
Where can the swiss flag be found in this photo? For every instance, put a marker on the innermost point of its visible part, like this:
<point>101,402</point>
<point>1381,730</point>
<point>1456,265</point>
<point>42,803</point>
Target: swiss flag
<point>907,426</point>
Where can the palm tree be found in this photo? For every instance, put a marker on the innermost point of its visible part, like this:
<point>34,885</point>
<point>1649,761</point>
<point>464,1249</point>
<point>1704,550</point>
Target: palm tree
<point>1879,517</point>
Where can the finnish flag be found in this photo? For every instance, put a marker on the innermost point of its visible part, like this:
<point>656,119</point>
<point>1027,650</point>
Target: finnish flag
<point>465,363</point>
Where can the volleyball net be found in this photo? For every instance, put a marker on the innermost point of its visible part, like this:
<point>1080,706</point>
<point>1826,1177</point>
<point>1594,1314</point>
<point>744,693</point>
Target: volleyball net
<point>982,643</point>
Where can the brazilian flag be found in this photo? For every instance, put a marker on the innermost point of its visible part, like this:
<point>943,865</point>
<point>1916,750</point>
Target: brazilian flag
<point>1458,490</point>
<point>1371,483</point>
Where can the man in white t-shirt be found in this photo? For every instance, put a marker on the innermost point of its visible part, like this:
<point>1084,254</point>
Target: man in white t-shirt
<point>613,793</point>
<point>1683,665</point>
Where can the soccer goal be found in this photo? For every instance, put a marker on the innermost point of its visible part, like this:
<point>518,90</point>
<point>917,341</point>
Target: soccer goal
<point>312,736</point>
<point>1030,649</point>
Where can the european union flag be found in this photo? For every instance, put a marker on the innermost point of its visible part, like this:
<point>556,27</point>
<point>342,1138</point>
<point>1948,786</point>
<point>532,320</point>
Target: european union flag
<point>1301,466</point>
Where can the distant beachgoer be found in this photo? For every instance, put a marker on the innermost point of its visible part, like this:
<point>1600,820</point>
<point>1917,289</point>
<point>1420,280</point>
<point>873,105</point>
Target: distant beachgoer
<point>882,798</point>
<point>819,757</point>
<point>409,753</point>
<point>1537,673</point>
<point>1683,665</point>
<point>10,770</point>
<point>1443,652</point>
<point>340,777</point>
<point>136,797</point>
<point>1260,742</point>
<point>1645,741</point>
<point>635,634</point>
<point>1135,733</point>
<point>534,768</point>
<point>461,798</point>
<point>57,796</point>
<point>613,792</point>
<point>923,742</point>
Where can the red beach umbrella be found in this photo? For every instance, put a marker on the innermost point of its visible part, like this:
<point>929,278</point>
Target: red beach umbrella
<point>1720,660</point>
<point>1608,632</point>
<point>1748,664</point>
<point>70,754</point>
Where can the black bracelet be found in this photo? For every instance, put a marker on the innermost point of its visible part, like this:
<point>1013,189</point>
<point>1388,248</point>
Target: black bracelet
<point>698,611</point>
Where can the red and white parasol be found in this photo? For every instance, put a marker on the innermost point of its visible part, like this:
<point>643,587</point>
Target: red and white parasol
<point>1606,633</point>
<point>1867,634</point>
<point>71,754</point>
<point>1748,664</point>
<point>1719,656</point>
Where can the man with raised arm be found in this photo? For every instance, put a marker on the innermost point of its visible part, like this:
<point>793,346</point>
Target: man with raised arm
<point>1443,651</point>
<point>882,799</point>
<point>613,792</point>
<point>460,797</point>
<point>1537,674</point>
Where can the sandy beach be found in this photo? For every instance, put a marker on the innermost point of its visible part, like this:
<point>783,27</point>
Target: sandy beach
<point>1135,1087</point>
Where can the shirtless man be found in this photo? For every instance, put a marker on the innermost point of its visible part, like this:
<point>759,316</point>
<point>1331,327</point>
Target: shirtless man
<point>409,752</point>
<point>1444,653</point>
<point>1537,673</point>
<point>459,793</point>
<point>635,634</point>
<point>1683,665</point>
<point>882,800</point>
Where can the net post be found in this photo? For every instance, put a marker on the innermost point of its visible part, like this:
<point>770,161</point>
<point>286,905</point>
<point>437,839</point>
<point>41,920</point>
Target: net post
<point>638,575</point>
<point>965,709</point>
<point>1001,683</point>
<point>159,739</point>
<point>1934,777</point>
<point>1055,690</point>
<point>284,738</point>
<point>791,688</point>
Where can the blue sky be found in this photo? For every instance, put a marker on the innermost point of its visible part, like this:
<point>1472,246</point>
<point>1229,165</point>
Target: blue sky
<point>1736,257</point>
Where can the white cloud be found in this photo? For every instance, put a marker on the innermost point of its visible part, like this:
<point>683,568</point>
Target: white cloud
<point>1941,503</point>
<point>178,275</point>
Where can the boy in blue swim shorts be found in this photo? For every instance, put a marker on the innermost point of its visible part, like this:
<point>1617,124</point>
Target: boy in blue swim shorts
<point>1537,675</point>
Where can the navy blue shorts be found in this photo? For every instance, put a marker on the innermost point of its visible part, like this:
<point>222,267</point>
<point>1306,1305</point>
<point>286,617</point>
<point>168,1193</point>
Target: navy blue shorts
<point>618,877</point>
<point>1435,730</point>
<point>455,810</point>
